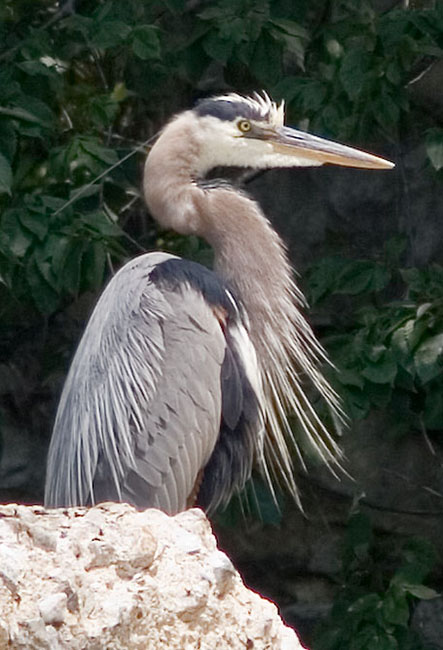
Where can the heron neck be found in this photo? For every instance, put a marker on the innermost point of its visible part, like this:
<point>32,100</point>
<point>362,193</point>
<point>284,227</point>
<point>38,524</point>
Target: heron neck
<point>249,254</point>
<point>251,258</point>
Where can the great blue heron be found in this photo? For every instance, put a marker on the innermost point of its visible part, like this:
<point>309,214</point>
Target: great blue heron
<point>183,377</point>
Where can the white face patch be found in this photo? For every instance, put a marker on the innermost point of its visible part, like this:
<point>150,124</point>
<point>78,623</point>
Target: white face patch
<point>222,144</point>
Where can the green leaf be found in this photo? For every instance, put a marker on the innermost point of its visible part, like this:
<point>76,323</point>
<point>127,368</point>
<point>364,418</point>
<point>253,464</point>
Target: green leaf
<point>119,92</point>
<point>110,33</point>
<point>350,378</point>
<point>400,342</point>
<point>375,353</point>
<point>413,277</point>
<point>101,223</point>
<point>356,402</point>
<point>233,30</point>
<point>266,59</point>
<point>433,409</point>
<point>352,72</point>
<point>287,88</point>
<point>78,23</point>
<point>293,45</point>
<point>8,139</point>
<point>381,277</point>
<point>19,240</point>
<point>58,247</point>
<point>419,558</point>
<point>322,277</point>
<point>44,297</point>
<point>5,176</point>
<point>372,637</point>
<point>423,309</point>
<point>43,262</point>
<point>395,607</point>
<point>420,332</point>
<point>382,371</point>
<point>94,260</point>
<point>145,42</point>
<point>394,72</point>
<point>360,276</point>
<point>96,149</point>
<point>175,5</point>
<point>52,203</point>
<point>71,272</point>
<point>428,358</point>
<point>103,110</point>
<point>313,95</point>
<point>218,48</point>
<point>293,36</point>
<point>214,13</point>
<point>434,147</point>
<point>290,27</point>
<point>386,109</point>
<point>34,68</point>
<point>194,59</point>
<point>36,223</point>
<point>32,109</point>
<point>366,605</point>
<point>421,591</point>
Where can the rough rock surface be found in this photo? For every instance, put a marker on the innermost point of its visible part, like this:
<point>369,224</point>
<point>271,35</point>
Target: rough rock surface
<point>112,577</point>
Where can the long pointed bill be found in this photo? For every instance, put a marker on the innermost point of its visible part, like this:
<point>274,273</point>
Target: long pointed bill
<point>304,145</point>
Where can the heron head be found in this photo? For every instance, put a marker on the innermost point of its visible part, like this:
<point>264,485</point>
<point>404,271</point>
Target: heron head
<point>250,132</point>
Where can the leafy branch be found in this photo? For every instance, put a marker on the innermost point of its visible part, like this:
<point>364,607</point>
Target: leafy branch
<point>375,601</point>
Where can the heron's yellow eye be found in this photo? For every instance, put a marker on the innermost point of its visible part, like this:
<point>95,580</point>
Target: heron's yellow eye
<point>244,126</point>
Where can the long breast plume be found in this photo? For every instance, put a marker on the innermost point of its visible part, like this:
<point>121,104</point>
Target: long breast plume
<point>251,257</point>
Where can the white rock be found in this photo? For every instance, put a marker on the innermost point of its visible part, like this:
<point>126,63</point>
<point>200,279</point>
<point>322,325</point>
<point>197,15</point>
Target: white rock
<point>111,577</point>
<point>52,608</point>
<point>12,565</point>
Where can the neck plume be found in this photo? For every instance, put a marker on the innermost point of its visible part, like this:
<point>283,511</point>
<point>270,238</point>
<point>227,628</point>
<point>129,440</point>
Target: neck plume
<point>252,259</point>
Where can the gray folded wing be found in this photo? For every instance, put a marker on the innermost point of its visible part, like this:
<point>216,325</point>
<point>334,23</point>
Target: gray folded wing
<point>140,412</point>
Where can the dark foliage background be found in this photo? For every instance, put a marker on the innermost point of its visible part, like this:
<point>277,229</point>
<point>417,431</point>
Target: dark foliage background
<point>86,84</point>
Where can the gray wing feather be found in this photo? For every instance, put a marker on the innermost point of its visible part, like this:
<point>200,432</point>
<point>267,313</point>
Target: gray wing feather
<point>140,412</point>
